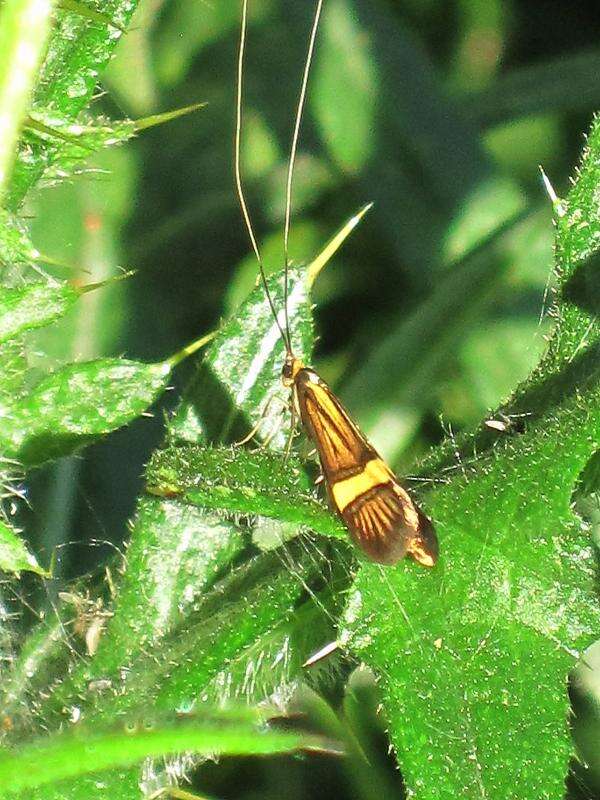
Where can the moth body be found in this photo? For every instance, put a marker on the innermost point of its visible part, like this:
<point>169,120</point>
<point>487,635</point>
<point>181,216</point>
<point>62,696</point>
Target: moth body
<point>380,515</point>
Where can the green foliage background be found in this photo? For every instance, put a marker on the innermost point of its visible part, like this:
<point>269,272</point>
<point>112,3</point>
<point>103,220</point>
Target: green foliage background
<point>435,311</point>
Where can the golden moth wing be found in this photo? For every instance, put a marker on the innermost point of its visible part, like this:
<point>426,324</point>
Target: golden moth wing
<point>379,514</point>
<point>342,448</point>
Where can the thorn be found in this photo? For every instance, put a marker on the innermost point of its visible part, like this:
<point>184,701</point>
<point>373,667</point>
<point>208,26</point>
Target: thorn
<point>166,116</point>
<point>334,244</point>
<point>190,349</point>
<point>496,424</point>
<point>122,276</point>
<point>321,654</point>
<point>556,202</point>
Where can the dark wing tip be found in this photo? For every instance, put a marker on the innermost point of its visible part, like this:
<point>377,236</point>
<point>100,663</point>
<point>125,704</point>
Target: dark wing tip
<point>424,546</point>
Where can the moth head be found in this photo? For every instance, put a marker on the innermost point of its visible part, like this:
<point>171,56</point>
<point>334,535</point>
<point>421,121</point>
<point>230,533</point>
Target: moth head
<point>290,369</point>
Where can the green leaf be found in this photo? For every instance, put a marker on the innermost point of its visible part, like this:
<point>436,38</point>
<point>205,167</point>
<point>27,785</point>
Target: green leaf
<point>14,556</point>
<point>239,372</point>
<point>473,655</point>
<point>24,30</point>
<point>34,306</point>
<point>78,50</point>
<point>77,404</point>
<point>183,38</point>
<point>175,553</point>
<point>87,750</point>
<point>236,480</point>
<point>81,139</point>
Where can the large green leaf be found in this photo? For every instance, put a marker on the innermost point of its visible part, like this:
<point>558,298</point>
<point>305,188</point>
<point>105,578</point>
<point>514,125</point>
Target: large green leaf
<point>473,655</point>
<point>537,89</point>
<point>241,372</point>
<point>77,404</point>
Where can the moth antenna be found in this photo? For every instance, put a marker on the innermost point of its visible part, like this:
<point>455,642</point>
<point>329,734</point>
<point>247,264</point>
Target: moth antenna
<point>238,174</point>
<point>292,160</point>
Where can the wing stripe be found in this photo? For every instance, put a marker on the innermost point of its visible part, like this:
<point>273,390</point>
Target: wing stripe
<point>343,450</point>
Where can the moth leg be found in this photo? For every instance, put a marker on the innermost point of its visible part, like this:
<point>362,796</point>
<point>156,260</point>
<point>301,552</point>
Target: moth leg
<point>273,434</point>
<point>174,793</point>
<point>255,428</point>
<point>292,434</point>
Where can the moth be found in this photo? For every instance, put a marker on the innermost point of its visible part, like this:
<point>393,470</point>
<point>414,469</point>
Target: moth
<point>382,519</point>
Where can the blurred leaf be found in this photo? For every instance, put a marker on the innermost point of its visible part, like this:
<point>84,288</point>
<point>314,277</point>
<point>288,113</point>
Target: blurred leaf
<point>24,30</point>
<point>495,356</point>
<point>404,364</point>
<point>482,32</point>
<point>345,66</point>
<point>519,144</point>
<point>473,674</point>
<point>584,690</point>
<point>133,57</point>
<point>184,38</point>
<point>259,148</point>
<point>312,179</point>
<point>426,160</point>
<point>490,208</point>
<point>89,236</point>
<point>538,89</point>
<point>14,556</point>
<point>66,755</point>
